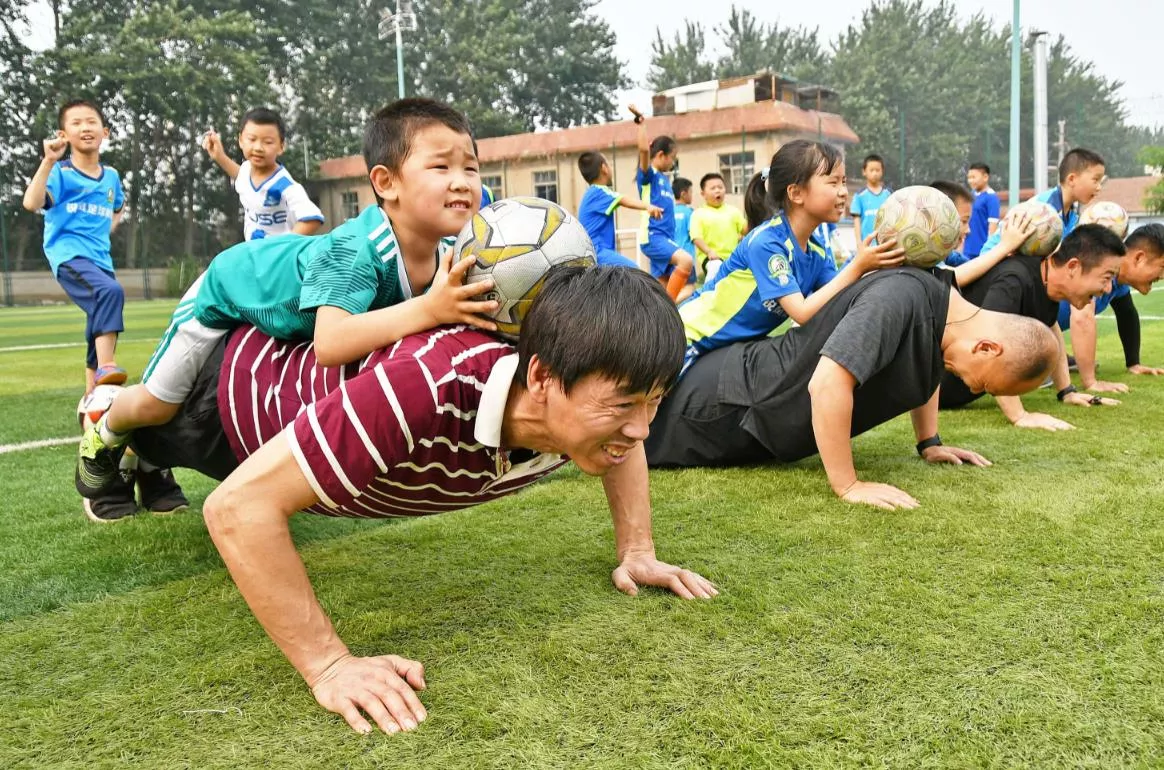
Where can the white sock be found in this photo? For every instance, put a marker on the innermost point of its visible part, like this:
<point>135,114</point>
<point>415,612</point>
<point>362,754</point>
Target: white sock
<point>111,438</point>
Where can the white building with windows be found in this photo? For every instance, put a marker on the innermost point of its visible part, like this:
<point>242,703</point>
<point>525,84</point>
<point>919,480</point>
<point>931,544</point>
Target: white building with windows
<point>729,126</point>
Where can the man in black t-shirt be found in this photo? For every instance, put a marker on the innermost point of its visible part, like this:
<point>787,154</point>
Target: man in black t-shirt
<point>875,351</point>
<point>1082,269</point>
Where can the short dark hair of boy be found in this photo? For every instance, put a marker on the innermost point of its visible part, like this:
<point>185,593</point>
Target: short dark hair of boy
<point>662,144</point>
<point>985,169</point>
<point>1149,237</point>
<point>389,135</point>
<point>265,116</point>
<point>708,177</point>
<point>1077,161</point>
<point>74,103</point>
<point>952,190</point>
<point>1090,244</point>
<point>680,186</point>
<point>590,164</point>
<point>872,158</point>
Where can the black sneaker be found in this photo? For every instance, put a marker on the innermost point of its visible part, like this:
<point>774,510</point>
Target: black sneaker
<point>97,465</point>
<point>160,493</point>
<point>113,503</point>
<point>1072,366</point>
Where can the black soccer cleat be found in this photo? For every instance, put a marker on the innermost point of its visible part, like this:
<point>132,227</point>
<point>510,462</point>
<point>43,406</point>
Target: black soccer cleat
<point>160,493</point>
<point>97,464</point>
<point>113,503</point>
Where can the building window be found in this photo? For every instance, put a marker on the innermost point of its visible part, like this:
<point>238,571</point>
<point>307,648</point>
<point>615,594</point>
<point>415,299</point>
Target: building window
<point>350,204</point>
<point>737,169</point>
<point>493,182</point>
<point>546,185</point>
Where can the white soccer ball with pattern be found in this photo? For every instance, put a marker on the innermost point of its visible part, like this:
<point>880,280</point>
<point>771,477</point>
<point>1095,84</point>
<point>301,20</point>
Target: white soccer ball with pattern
<point>92,406</point>
<point>516,241</point>
<point>1109,214</point>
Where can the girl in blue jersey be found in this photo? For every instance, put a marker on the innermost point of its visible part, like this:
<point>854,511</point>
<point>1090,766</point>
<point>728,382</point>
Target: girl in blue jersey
<point>781,270</point>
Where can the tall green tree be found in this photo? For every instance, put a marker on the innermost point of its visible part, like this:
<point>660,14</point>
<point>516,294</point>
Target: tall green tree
<point>681,60</point>
<point>753,46</point>
<point>1152,156</point>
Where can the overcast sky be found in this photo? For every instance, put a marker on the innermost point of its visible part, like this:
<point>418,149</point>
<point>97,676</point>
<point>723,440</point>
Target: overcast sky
<point>1124,38</point>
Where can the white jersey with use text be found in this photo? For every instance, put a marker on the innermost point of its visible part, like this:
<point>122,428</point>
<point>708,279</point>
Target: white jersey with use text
<point>273,206</point>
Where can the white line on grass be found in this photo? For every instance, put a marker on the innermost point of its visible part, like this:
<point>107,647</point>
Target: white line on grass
<point>55,345</point>
<point>44,442</point>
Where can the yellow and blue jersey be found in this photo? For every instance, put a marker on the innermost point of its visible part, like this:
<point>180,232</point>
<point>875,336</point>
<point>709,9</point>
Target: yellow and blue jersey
<point>742,302</point>
<point>486,195</point>
<point>655,187</point>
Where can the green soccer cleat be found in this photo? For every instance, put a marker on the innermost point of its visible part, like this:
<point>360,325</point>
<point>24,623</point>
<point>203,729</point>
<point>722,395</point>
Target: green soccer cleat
<point>96,464</point>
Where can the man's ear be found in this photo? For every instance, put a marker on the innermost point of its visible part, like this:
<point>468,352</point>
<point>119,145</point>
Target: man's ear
<point>989,348</point>
<point>538,379</point>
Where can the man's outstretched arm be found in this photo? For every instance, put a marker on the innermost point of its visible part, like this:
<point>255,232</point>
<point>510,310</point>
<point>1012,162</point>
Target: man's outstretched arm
<point>628,492</point>
<point>247,517</point>
<point>831,391</point>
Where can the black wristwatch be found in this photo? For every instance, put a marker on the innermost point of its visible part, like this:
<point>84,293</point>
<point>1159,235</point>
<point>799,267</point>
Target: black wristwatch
<point>934,440</point>
<point>1067,391</point>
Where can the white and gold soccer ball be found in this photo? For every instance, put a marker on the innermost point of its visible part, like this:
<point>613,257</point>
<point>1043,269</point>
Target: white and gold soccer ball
<point>516,241</point>
<point>1047,223</point>
<point>1109,214</point>
<point>96,403</point>
<point>924,222</point>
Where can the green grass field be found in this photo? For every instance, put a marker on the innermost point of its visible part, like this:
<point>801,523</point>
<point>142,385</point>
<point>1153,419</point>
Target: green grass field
<point>1015,619</point>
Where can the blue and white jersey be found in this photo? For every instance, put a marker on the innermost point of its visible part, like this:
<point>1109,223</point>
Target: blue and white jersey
<point>655,187</point>
<point>275,205</point>
<point>1054,197</point>
<point>78,214</point>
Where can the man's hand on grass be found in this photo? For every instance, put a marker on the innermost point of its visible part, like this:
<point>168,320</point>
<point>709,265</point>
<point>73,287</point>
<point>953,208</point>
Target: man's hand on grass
<point>1042,421</point>
<point>884,496</point>
<point>954,456</point>
<point>645,570</point>
<point>382,687</point>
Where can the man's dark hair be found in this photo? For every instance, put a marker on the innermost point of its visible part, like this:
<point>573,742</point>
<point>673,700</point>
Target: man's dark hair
<point>615,322</point>
<point>72,103</point>
<point>873,158</point>
<point>708,177</point>
<point>985,169</point>
<point>952,190</point>
<point>1091,245</point>
<point>389,135</point>
<point>661,144</point>
<point>590,164</point>
<point>1077,161</point>
<point>264,116</point>
<point>680,186</point>
<point>1149,237</point>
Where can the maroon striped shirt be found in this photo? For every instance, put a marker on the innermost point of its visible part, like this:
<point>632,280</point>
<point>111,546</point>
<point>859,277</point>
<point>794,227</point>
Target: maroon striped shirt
<point>410,430</point>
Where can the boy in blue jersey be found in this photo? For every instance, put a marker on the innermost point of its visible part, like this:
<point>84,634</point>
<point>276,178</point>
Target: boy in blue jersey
<point>985,211</point>
<point>273,202</point>
<point>599,202</point>
<point>370,282</point>
<point>1141,266</point>
<point>669,263</point>
<point>1081,177</point>
<point>683,211</point>
<point>865,203</point>
<point>82,201</point>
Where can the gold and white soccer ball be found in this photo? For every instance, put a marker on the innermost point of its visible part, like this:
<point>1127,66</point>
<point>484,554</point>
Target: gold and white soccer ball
<point>516,241</point>
<point>1109,214</point>
<point>1048,227</point>
<point>96,403</point>
<point>924,222</point>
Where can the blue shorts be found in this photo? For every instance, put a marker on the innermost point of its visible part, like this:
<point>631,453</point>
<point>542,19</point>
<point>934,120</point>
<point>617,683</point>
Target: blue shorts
<point>611,258</point>
<point>97,292</point>
<point>659,251</point>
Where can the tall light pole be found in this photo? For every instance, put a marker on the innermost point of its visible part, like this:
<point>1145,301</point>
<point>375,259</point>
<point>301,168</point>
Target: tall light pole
<point>1039,43</point>
<point>1015,96</point>
<point>395,24</point>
